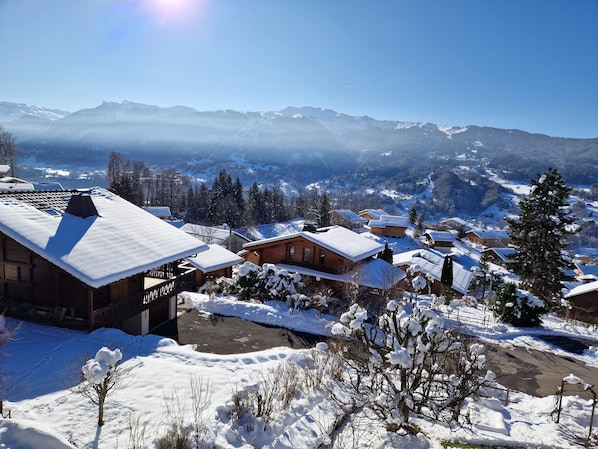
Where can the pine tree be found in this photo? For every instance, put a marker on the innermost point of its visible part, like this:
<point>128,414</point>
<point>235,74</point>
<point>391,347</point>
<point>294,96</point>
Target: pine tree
<point>540,234</point>
<point>386,254</point>
<point>412,214</point>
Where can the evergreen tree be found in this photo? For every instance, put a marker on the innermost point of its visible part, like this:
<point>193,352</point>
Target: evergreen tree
<point>324,218</point>
<point>238,213</point>
<point>412,214</point>
<point>386,254</point>
<point>254,205</point>
<point>540,234</point>
<point>300,208</point>
<point>123,187</point>
<point>484,269</point>
<point>279,212</point>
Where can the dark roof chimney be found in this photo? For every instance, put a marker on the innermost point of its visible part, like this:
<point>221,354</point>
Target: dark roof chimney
<point>81,206</point>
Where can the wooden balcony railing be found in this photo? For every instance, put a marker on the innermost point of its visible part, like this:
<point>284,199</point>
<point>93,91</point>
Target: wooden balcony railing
<point>113,314</point>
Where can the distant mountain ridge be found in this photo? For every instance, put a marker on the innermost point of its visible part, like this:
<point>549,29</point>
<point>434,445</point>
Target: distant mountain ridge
<point>298,145</point>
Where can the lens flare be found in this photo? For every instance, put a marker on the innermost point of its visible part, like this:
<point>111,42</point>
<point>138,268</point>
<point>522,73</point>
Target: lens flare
<point>172,12</point>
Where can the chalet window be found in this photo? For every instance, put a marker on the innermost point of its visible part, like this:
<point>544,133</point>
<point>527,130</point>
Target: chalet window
<point>322,257</point>
<point>12,273</point>
<point>292,253</point>
<point>307,255</point>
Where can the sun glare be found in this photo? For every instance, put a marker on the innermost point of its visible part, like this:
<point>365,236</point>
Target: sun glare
<point>172,12</point>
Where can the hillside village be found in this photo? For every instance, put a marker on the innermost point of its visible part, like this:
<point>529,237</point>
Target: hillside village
<point>64,228</point>
<point>88,260</point>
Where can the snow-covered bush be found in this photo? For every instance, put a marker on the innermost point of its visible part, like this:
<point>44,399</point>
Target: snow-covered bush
<point>408,363</point>
<point>517,307</point>
<point>100,376</point>
<point>265,283</point>
<point>299,301</point>
<point>7,331</point>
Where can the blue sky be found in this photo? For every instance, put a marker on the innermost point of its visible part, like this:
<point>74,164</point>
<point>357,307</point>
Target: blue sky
<point>525,64</point>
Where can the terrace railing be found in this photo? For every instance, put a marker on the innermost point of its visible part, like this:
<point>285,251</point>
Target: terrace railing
<point>113,314</point>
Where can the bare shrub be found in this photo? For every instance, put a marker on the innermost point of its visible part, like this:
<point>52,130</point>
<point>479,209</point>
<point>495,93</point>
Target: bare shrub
<point>186,418</point>
<point>271,392</point>
<point>136,434</point>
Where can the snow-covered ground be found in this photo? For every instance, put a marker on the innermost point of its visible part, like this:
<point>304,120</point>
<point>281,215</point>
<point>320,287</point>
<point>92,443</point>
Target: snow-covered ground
<point>42,364</point>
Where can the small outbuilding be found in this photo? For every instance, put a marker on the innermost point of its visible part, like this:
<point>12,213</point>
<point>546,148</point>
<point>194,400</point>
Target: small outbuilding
<point>584,302</point>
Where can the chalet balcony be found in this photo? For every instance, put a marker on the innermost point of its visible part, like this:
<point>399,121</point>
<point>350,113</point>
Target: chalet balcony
<point>160,286</point>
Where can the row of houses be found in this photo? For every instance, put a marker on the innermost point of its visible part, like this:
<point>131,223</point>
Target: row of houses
<point>89,259</point>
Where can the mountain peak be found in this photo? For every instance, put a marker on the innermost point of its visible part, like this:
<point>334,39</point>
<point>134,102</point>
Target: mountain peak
<point>13,111</point>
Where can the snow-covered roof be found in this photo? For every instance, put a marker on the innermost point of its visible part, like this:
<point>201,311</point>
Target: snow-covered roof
<point>11,183</point>
<point>267,231</point>
<point>455,220</point>
<point>349,216</point>
<point>375,214</point>
<point>587,270</point>
<point>440,236</point>
<point>490,233</point>
<point>118,242</point>
<point>503,253</point>
<point>430,262</point>
<point>375,273</point>
<point>337,239</point>
<point>215,258</point>
<point>390,220</point>
<point>207,233</point>
<point>583,289</point>
<point>159,211</point>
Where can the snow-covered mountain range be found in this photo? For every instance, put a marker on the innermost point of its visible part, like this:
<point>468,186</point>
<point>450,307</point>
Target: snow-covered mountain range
<point>300,145</point>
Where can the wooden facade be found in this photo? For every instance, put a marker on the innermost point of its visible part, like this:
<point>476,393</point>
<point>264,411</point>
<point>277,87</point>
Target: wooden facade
<point>33,288</point>
<point>584,303</point>
<point>297,251</point>
<point>439,240</point>
<point>202,278</point>
<point>494,239</point>
<point>388,231</point>
<point>347,219</point>
<point>585,307</point>
<point>499,256</point>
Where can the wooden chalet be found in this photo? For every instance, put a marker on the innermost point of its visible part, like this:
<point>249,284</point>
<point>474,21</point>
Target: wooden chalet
<point>439,240</point>
<point>586,272</point>
<point>584,303</point>
<point>428,263</point>
<point>347,219</point>
<point>327,258</point>
<point>499,256</point>
<point>90,259</point>
<point>372,214</point>
<point>455,224</point>
<point>488,238</point>
<point>389,226</point>
<point>213,263</point>
<point>227,238</point>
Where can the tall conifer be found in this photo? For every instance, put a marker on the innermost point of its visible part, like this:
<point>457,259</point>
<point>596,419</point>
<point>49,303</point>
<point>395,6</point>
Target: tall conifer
<point>540,233</point>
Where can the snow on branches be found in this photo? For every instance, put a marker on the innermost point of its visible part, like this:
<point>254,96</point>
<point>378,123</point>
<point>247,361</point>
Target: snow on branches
<point>407,362</point>
<point>265,283</point>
